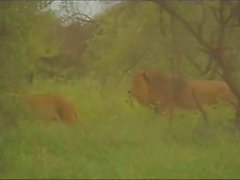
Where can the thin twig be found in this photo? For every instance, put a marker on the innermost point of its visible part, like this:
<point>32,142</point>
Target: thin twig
<point>203,113</point>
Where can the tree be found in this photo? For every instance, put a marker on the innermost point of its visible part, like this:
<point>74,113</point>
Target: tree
<point>19,44</point>
<point>214,42</point>
<point>24,30</point>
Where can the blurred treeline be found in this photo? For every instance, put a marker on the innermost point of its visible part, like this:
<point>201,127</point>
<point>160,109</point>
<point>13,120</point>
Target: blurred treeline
<point>83,55</point>
<point>185,38</point>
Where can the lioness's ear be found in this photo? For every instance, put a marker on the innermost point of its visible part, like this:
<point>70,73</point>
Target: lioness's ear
<point>146,76</point>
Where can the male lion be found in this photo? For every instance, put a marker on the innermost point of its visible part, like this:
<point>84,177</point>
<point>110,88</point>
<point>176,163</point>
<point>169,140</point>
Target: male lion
<point>164,92</point>
<point>50,107</point>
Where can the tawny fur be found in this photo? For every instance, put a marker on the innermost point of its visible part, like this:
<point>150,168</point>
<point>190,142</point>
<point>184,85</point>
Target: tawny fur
<point>164,92</point>
<point>51,107</point>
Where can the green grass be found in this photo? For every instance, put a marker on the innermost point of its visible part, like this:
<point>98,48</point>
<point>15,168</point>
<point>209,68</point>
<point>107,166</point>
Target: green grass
<point>115,139</point>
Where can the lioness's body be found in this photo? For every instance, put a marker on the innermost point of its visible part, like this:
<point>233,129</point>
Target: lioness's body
<point>51,107</point>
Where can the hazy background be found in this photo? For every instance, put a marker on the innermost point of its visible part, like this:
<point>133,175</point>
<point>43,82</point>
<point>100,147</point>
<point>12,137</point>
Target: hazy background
<point>87,7</point>
<point>91,61</point>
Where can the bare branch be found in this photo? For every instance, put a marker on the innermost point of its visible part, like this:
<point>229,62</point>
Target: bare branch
<point>167,7</point>
<point>73,14</point>
<point>203,113</point>
<point>195,64</point>
<point>216,48</point>
<point>232,17</point>
<point>199,25</point>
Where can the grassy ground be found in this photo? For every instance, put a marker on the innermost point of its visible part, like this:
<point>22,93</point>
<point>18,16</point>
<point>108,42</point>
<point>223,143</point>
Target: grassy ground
<point>115,139</point>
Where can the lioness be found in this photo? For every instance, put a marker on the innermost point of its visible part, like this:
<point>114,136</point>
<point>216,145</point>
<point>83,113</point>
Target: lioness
<point>50,107</point>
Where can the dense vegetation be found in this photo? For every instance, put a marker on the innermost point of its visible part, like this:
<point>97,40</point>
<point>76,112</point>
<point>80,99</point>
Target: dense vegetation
<point>92,63</point>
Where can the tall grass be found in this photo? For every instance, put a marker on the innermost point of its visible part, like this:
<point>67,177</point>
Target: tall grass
<point>115,139</point>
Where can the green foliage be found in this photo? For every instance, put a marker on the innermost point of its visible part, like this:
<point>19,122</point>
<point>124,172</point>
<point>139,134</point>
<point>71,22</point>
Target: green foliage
<point>117,140</point>
<point>116,137</point>
<point>125,39</point>
<point>24,33</point>
<point>136,34</point>
<point>24,29</point>
<point>141,34</point>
